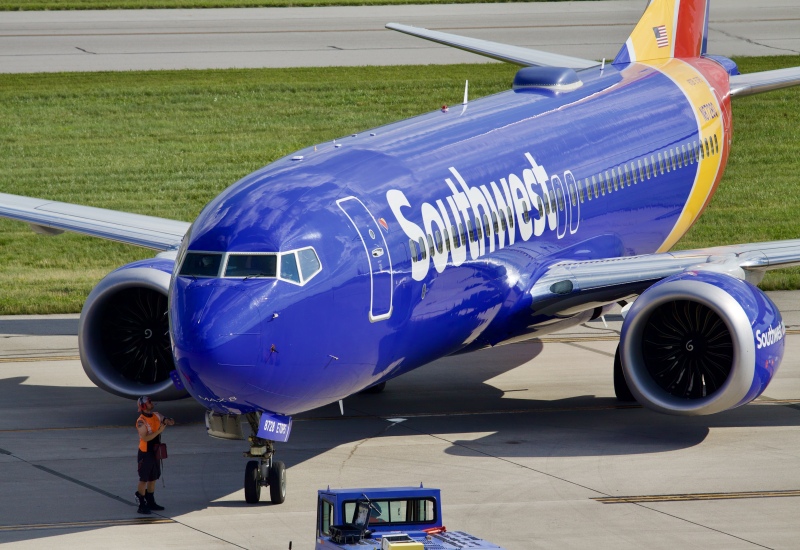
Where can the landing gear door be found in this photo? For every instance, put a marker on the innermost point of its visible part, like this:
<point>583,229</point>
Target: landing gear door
<point>380,262</point>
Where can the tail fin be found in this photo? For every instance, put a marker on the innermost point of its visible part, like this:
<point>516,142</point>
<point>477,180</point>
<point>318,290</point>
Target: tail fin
<point>668,28</point>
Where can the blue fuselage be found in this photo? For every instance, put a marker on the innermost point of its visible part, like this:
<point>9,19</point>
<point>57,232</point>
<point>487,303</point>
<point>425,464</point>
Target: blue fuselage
<point>429,232</point>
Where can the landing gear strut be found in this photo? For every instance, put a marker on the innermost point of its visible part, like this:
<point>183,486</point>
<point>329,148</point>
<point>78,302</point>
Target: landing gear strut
<point>264,472</point>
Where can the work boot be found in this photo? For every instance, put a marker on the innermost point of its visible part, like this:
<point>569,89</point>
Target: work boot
<point>143,507</point>
<point>151,501</point>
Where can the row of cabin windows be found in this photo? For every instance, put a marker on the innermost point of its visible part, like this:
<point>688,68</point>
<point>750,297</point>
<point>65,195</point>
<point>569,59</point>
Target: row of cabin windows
<point>438,242</point>
<point>646,168</point>
<point>593,187</point>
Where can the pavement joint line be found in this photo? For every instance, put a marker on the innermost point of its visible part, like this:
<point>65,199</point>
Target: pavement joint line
<point>30,359</point>
<point>86,524</point>
<point>698,496</point>
<point>119,499</point>
<point>553,476</point>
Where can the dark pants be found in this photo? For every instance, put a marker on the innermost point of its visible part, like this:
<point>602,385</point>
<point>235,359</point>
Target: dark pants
<point>149,467</point>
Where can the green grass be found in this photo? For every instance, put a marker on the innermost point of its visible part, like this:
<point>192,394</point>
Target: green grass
<point>165,143</point>
<point>759,196</point>
<point>21,5</point>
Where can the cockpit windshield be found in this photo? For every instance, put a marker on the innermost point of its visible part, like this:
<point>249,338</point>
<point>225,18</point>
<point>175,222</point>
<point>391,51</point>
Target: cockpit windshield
<point>252,265</point>
<point>297,266</point>
<point>201,264</point>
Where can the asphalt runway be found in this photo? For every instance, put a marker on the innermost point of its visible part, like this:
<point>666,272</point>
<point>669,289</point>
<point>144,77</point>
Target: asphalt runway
<point>338,36</point>
<point>526,441</point>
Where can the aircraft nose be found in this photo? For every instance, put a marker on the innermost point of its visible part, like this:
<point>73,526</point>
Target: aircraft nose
<point>216,331</point>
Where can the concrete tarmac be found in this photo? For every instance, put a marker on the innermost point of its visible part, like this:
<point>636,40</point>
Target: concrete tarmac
<point>337,36</point>
<point>526,442</point>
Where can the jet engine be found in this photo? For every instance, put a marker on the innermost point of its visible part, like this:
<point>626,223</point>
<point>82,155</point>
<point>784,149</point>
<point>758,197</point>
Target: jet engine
<point>124,332</point>
<point>700,342</point>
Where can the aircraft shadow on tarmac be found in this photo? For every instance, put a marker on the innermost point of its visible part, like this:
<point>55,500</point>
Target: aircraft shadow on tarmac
<point>450,396</point>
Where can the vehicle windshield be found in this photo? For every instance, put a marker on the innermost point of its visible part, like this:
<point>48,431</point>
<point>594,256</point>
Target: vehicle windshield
<point>397,511</point>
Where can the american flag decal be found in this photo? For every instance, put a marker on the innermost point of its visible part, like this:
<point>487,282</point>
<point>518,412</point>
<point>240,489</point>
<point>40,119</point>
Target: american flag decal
<point>661,36</point>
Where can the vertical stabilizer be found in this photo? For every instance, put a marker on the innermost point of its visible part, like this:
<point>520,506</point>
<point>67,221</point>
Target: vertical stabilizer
<point>668,28</point>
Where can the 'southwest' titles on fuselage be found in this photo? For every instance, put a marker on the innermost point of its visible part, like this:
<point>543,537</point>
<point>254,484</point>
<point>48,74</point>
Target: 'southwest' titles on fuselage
<point>475,219</point>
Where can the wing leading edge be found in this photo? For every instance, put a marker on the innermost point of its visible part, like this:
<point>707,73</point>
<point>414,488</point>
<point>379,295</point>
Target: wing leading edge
<point>53,217</point>
<point>525,57</point>
<point>569,287</point>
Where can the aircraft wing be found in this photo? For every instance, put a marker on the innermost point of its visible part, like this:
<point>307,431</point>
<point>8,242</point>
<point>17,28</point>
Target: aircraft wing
<point>50,217</point>
<point>502,52</point>
<point>569,287</point>
<point>766,81</point>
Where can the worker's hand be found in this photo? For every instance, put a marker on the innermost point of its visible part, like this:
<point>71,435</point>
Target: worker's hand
<point>169,421</point>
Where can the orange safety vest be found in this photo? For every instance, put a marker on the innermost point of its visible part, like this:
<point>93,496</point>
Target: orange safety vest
<point>153,423</point>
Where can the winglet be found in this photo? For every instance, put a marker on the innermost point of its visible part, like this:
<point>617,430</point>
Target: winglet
<point>668,28</point>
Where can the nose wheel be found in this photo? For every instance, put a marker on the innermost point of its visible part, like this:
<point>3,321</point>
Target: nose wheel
<point>263,472</point>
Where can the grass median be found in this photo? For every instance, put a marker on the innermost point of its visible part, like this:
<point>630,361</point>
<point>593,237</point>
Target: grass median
<point>30,5</point>
<point>165,143</point>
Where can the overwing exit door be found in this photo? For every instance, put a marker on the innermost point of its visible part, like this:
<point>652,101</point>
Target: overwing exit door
<point>380,262</point>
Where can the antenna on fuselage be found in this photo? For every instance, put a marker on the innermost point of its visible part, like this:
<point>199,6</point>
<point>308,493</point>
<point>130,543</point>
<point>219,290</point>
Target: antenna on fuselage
<point>466,98</point>
<point>341,406</point>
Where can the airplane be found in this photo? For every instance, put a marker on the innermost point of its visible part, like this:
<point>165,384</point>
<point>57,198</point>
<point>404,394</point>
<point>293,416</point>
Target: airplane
<point>352,262</point>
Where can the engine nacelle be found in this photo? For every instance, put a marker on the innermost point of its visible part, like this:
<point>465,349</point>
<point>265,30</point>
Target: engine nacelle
<point>700,343</point>
<point>124,332</point>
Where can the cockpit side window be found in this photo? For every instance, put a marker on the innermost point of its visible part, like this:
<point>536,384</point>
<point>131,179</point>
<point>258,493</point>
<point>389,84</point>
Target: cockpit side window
<point>289,269</point>
<point>309,263</point>
<point>201,264</point>
<point>252,265</point>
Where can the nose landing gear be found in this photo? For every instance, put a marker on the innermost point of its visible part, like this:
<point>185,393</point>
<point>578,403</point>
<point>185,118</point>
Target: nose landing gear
<point>264,472</point>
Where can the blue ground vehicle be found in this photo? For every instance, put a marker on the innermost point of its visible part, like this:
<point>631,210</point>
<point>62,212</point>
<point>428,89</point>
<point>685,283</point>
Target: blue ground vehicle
<point>396,518</point>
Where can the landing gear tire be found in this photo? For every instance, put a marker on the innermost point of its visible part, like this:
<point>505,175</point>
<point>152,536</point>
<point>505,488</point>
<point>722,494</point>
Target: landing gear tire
<point>621,389</point>
<point>377,388</point>
<point>277,482</point>
<point>252,482</point>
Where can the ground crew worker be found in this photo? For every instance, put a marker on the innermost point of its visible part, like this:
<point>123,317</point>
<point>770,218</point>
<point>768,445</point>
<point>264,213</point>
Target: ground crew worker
<point>150,424</point>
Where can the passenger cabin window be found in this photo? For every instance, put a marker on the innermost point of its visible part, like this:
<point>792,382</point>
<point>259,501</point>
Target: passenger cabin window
<point>412,250</point>
<point>422,248</point>
<point>201,264</point>
<point>252,265</point>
